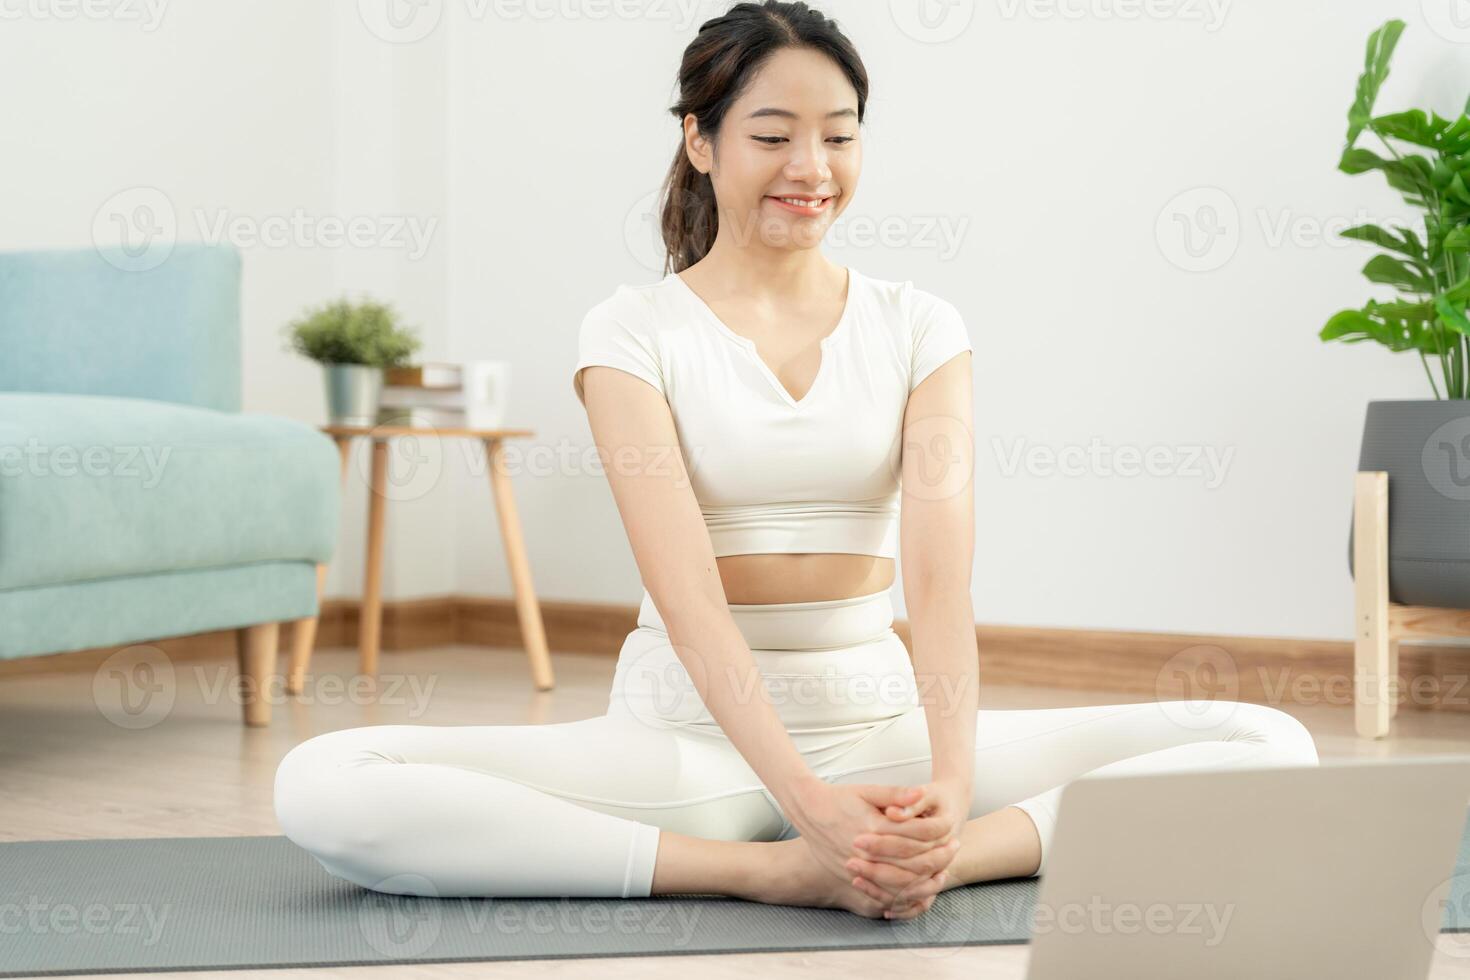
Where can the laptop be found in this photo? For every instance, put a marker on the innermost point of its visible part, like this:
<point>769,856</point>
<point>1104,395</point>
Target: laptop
<point>1339,870</point>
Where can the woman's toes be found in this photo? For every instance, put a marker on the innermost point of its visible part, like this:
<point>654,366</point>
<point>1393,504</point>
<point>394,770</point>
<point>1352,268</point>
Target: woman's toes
<point>911,911</point>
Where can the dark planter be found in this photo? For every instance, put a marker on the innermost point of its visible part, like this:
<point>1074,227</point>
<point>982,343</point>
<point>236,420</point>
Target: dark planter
<point>1424,446</point>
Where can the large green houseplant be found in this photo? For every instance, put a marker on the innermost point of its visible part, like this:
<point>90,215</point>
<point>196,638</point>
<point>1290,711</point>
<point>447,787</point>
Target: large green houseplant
<point>353,342</point>
<point>1423,444</point>
<point>1429,266</point>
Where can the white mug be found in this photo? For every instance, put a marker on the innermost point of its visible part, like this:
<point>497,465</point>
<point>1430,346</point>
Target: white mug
<point>484,386</point>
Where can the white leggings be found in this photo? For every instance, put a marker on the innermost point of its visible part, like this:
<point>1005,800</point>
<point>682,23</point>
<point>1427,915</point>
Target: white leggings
<point>575,808</point>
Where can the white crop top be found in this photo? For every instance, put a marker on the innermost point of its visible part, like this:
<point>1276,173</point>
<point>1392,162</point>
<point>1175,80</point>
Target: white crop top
<point>773,474</point>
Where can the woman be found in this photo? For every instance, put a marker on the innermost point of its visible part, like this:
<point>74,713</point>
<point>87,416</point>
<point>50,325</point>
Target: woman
<point>777,426</point>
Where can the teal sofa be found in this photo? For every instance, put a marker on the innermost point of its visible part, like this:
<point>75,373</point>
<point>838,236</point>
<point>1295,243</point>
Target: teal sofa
<point>137,501</point>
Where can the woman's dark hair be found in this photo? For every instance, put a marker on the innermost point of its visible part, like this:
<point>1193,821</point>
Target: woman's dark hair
<point>716,68</point>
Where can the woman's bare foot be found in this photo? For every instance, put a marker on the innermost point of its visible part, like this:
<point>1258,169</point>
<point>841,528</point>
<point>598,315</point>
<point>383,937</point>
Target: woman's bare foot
<point>792,876</point>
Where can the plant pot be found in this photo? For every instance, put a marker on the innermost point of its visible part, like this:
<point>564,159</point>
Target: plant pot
<point>353,391</point>
<point>1424,446</point>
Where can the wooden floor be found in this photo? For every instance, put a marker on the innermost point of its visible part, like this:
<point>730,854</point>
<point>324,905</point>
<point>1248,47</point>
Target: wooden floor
<point>74,764</point>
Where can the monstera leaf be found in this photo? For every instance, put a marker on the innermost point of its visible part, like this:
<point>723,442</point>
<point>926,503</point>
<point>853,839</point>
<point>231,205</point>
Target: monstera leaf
<point>1375,69</point>
<point>1431,271</point>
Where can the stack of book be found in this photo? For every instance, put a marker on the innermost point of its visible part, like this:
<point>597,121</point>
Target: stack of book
<point>428,396</point>
<point>440,395</point>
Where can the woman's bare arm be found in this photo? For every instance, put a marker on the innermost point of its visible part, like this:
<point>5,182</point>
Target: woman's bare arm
<point>634,431</point>
<point>937,549</point>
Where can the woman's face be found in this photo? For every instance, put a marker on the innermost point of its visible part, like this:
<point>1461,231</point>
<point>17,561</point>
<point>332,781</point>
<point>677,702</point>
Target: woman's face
<point>793,134</point>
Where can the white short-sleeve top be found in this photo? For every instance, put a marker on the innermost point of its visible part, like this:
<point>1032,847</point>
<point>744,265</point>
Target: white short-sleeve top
<point>773,473</point>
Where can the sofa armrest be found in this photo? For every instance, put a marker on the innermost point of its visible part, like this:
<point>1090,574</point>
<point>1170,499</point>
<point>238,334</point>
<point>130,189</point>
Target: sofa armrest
<point>73,322</point>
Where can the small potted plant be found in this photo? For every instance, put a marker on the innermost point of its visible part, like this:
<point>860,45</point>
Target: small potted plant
<point>354,342</point>
<point>1423,444</point>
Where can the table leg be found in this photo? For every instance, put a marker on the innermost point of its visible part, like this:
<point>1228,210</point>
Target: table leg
<point>1372,709</point>
<point>528,610</point>
<point>303,631</point>
<point>1393,675</point>
<point>370,622</point>
<point>255,648</point>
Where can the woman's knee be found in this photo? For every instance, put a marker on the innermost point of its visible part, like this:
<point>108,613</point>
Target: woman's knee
<point>297,793</point>
<point>313,798</point>
<point>1290,741</point>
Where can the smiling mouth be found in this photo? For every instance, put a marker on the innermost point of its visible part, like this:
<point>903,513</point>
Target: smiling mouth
<point>801,204</point>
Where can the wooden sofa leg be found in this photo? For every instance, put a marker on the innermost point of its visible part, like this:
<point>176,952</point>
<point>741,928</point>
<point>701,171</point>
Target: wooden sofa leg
<point>303,640</point>
<point>257,646</point>
<point>303,632</point>
<point>1372,706</point>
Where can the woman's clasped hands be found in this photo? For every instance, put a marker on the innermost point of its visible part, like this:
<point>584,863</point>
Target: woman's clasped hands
<point>892,843</point>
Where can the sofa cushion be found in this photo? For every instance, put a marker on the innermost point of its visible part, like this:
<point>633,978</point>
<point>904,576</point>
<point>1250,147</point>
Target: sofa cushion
<point>94,486</point>
<point>129,609</point>
<point>88,321</point>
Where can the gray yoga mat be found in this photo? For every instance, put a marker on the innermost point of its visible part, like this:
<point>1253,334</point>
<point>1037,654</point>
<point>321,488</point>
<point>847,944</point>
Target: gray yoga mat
<point>219,903</point>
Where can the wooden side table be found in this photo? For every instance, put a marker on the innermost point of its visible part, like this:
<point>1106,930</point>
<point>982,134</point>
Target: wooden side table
<point>528,610</point>
<point>1380,622</point>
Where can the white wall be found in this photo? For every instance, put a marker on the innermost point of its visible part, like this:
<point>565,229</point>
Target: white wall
<point>1034,164</point>
<point>256,119</point>
<point>1026,162</point>
<point>390,149</point>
